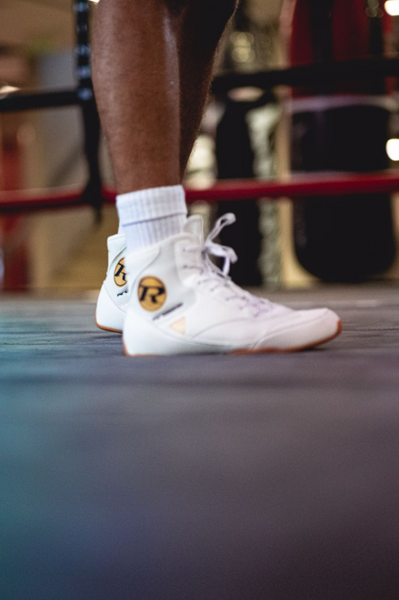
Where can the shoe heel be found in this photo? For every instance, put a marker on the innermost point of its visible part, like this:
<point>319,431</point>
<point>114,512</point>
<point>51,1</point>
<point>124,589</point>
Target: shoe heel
<point>108,316</point>
<point>139,338</point>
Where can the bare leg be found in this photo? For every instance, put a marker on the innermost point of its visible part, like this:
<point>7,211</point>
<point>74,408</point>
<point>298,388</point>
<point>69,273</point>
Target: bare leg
<point>136,79</point>
<point>152,66</point>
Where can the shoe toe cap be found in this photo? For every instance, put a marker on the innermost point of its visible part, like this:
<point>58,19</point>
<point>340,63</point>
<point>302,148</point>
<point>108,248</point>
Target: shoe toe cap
<point>301,329</point>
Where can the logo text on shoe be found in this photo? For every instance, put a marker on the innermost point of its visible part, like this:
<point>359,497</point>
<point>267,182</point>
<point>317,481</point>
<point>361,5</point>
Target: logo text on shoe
<point>120,273</point>
<point>151,293</point>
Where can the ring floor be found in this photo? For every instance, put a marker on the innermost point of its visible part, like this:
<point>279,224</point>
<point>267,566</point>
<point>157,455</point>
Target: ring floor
<point>199,477</point>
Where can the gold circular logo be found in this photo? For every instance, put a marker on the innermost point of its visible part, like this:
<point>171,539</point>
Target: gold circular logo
<point>151,293</point>
<point>120,273</point>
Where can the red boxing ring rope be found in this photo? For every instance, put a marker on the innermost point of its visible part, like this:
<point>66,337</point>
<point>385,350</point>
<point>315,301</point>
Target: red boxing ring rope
<point>296,186</point>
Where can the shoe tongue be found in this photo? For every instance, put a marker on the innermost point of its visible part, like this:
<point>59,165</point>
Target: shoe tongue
<point>195,226</point>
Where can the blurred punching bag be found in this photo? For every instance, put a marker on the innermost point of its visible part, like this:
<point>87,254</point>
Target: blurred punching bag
<point>235,157</point>
<point>340,126</point>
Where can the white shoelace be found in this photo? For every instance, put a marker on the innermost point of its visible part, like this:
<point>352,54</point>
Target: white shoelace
<point>209,272</point>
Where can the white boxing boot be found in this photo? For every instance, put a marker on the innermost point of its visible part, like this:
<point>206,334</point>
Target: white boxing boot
<point>181,303</point>
<point>114,295</point>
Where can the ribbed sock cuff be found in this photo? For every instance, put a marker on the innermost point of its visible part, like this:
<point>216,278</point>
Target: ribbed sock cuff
<point>150,216</point>
<point>154,203</point>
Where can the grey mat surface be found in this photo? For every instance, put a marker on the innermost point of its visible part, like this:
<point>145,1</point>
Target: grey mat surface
<point>209,478</point>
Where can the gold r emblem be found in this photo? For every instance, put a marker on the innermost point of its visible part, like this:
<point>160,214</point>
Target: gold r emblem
<point>120,273</point>
<point>151,293</point>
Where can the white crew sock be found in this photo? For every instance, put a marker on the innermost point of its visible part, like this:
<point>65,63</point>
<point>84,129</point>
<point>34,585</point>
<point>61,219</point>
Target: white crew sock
<point>150,216</point>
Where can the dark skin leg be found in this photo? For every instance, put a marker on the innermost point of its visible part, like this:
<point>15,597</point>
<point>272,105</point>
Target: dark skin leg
<point>152,66</point>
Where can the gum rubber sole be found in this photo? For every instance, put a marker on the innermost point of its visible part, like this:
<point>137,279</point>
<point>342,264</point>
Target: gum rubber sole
<point>245,352</point>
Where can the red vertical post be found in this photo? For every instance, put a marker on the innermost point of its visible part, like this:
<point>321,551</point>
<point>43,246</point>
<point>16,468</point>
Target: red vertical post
<point>13,244</point>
